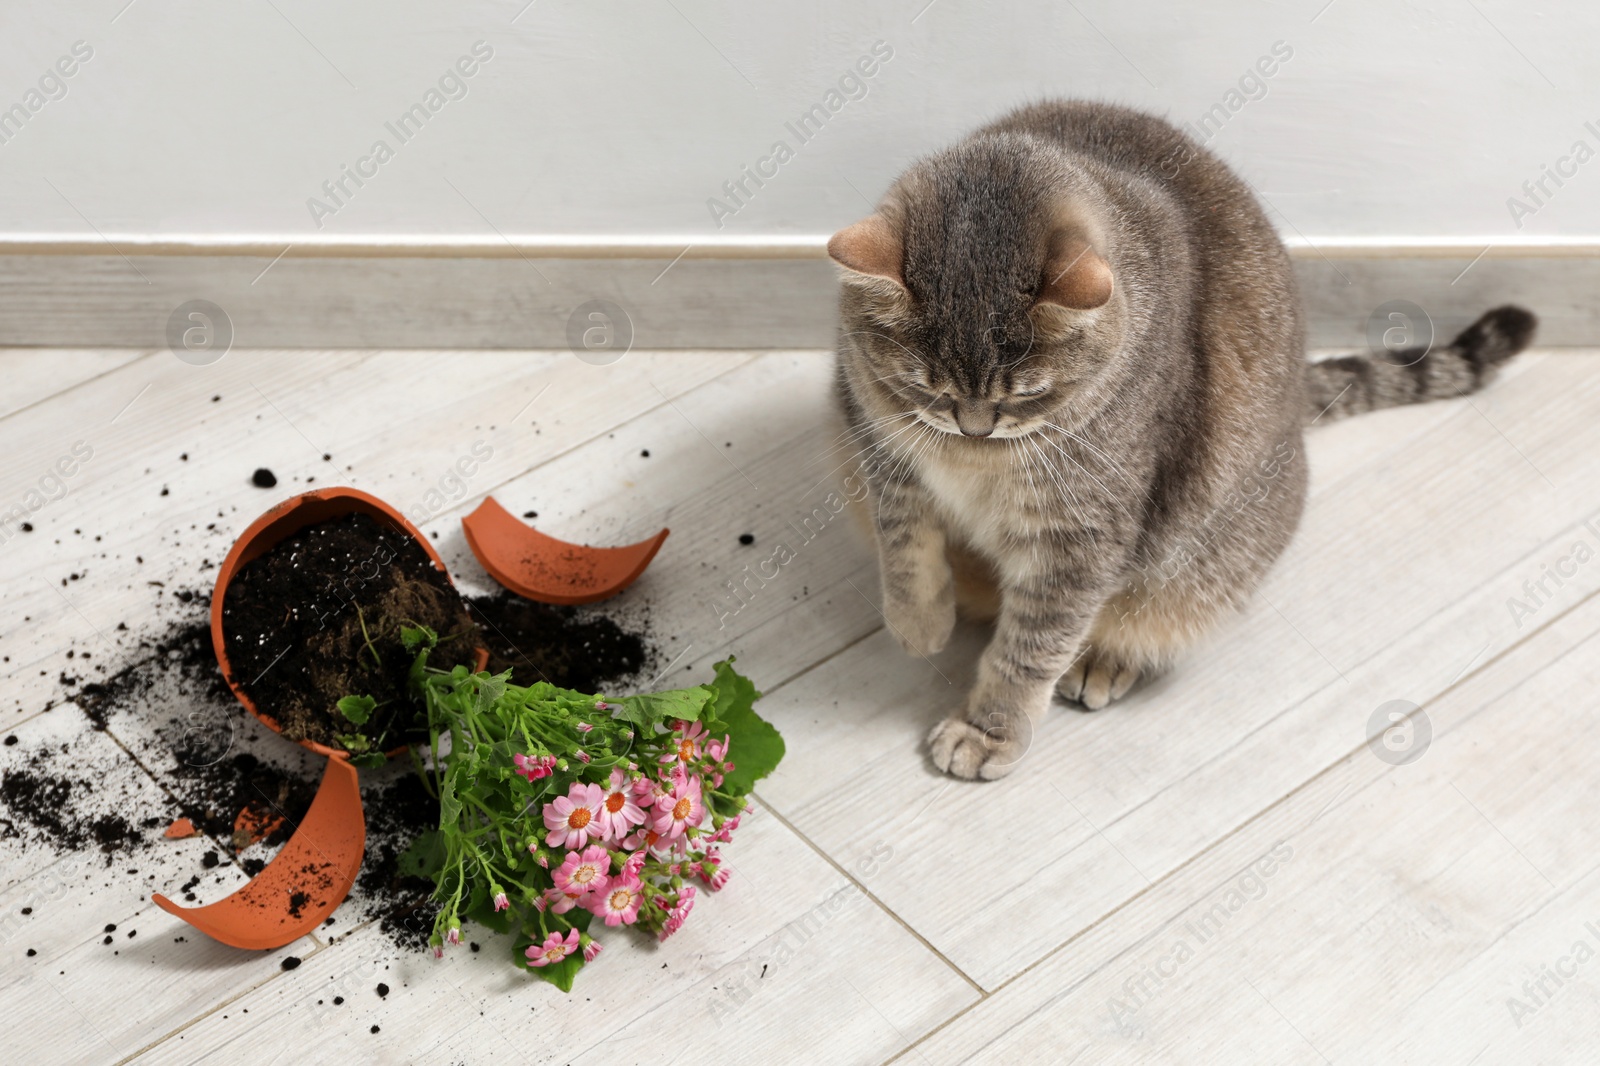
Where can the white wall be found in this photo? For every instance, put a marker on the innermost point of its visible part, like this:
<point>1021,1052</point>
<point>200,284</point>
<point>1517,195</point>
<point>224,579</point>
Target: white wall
<point>1392,119</point>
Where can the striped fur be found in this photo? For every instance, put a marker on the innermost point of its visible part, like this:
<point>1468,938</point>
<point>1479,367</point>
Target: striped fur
<point>1355,384</point>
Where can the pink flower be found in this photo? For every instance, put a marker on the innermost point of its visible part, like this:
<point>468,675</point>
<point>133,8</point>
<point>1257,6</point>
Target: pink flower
<point>680,809</point>
<point>713,873</point>
<point>561,902</point>
<point>618,812</point>
<point>583,727</point>
<point>452,936</point>
<point>534,767</point>
<point>717,750</point>
<point>686,748</point>
<point>571,818</point>
<point>679,913</point>
<point>725,834</point>
<point>649,791</point>
<point>685,903</point>
<point>634,864</point>
<point>500,901</point>
<point>592,949</point>
<point>619,903</point>
<point>583,757</point>
<point>584,872</point>
<point>647,841</point>
<point>553,950</point>
<point>539,903</point>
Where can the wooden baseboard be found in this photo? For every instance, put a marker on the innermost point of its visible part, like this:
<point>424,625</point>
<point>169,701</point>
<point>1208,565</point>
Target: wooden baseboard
<point>656,293</point>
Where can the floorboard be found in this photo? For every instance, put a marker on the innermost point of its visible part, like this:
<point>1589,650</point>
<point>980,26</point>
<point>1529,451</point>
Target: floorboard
<point>1334,907</point>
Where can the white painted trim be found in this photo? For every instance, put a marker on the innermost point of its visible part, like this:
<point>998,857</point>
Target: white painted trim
<point>690,246</point>
<point>424,246</point>
<point>736,293</point>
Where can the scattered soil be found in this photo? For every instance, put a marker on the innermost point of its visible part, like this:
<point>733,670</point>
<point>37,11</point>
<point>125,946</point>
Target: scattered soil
<point>319,616</point>
<point>264,478</point>
<point>212,761</point>
<point>562,645</point>
<point>397,813</point>
<point>42,806</point>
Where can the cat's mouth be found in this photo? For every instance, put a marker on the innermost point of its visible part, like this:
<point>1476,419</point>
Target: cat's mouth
<point>950,426</point>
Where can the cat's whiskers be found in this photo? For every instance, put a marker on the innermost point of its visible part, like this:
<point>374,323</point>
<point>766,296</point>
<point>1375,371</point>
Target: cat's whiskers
<point>1102,455</point>
<point>1070,499</point>
<point>908,456</point>
<point>870,447</point>
<point>1069,458</point>
<point>851,436</point>
<point>1028,474</point>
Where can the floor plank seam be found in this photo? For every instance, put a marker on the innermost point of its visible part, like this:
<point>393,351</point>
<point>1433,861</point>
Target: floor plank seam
<point>80,384</point>
<point>1510,567</point>
<point>876,901</point>
<point>202,1016</point>
<point>798,674</point>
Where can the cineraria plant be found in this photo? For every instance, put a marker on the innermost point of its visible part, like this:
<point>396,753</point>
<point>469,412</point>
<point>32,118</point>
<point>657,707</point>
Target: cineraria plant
<point>558,809</point>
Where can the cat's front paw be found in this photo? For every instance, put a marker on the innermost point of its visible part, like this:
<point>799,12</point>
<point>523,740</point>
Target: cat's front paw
<point>922,625</point>
<point>981,746</point>
<point>1096,678</point>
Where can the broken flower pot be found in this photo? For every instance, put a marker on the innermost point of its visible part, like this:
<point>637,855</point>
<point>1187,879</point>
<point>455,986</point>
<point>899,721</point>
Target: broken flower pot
<point>313,872</point>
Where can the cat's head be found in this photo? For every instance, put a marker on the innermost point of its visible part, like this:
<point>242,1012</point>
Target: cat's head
<point>978,296</point>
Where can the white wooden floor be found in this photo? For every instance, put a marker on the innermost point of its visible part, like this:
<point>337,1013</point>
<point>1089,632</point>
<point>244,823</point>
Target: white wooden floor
<point>1217,869</point>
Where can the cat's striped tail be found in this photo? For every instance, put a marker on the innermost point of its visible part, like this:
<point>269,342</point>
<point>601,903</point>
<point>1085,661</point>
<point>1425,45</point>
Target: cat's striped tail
<point>1355,384</point>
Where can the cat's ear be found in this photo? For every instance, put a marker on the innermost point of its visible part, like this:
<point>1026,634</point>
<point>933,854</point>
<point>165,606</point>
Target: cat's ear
<point>1075,277</point>
<point>869,247</point>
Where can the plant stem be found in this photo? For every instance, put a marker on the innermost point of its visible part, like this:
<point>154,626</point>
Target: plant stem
<point>367,637</point>
<point>416,761</point>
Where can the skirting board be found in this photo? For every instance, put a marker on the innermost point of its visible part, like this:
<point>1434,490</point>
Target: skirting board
<point>547,294</point>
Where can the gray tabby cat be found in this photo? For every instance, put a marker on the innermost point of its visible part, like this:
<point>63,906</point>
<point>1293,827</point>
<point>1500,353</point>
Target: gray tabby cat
<point>1073,359</point>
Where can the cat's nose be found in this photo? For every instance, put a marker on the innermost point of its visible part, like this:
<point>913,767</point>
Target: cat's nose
<point>975,417</point>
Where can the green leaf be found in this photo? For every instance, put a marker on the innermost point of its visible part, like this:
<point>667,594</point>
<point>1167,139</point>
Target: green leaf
<point>449,804</point>
<point>354,742</point>
<point>371,760</point>
<point>650,708</point>
<point>483,912</point>
<point>415,637</point>
<point>755,746</point>
<point>424,857</point>
<point>489,690</point>
<point>357,708</point>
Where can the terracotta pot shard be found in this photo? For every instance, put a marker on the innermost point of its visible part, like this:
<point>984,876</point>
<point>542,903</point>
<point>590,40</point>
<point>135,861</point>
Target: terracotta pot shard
<point>540,567</point>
